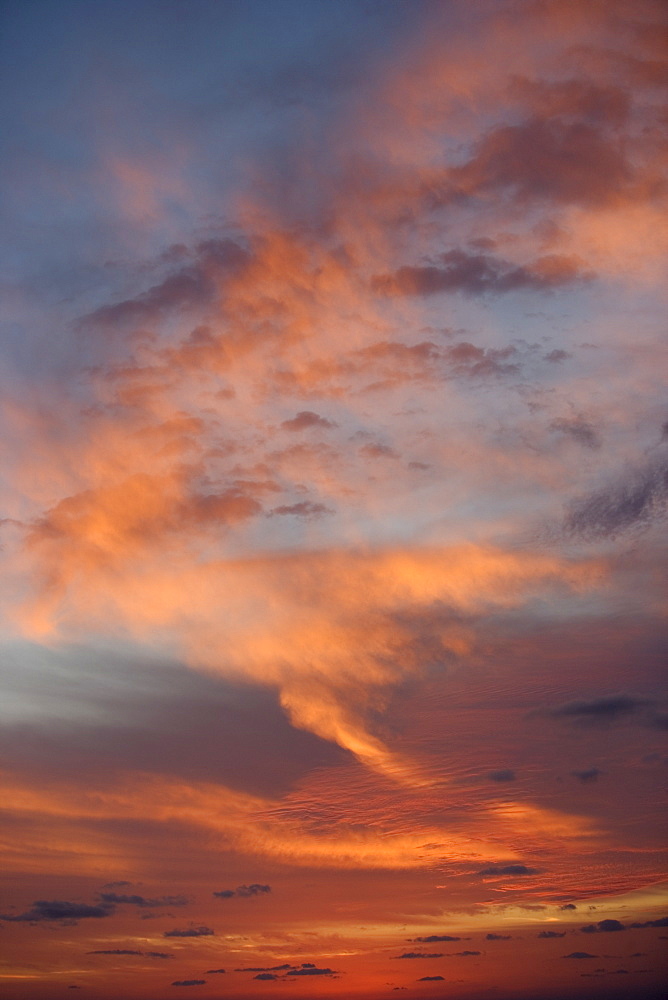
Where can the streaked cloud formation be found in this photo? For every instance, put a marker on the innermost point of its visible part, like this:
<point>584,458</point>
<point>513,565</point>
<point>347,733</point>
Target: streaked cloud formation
<point>334,477</point>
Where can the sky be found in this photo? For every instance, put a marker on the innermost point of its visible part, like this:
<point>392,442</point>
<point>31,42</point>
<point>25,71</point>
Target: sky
<point>333,486</point>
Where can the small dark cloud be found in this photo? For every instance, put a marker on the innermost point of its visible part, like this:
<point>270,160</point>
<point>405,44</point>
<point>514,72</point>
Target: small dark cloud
<point>213,972</point>
<point>498,937</point>
<point>189,982</point>
<point>508,870</point>
<point>265,975</point>
<point>579,954</point>
<point>587,776</point>
<point>189,932</point>
<point>158,954</point>
<point>305,508</point>
<point>142,901</point>
<point>578,430</point>
<point>309,970</point>
<point>661,922</point>
<point>552,934</point>
<point>557,355</point>
<point>305,419</point>
<point>115,951</point>
<point>436,937</point>
<point>431,979</point>
<point>116,885</point>
<point>466,954</point>
<point>503,775</point>
<point>568,906</point>
<point>44,910</point>
<point>377,450</point>
<point>243,891</point>
<point>420,954</point>
<point>478,274</point>
<point>603,926</point>
<point>635,500</point>
<point>610,707</point>
<point>270,968</point>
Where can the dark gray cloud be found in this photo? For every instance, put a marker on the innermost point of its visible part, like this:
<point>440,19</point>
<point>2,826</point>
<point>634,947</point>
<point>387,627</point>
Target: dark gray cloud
<point>45,910</point>
<point>436,937</point>
<point>142,901</point>
<point>128,951</point>
<point>269,968</point>
<point>304,508</point>
<point>311,970</point>
<point>609,707</point>
<point>419,954</point>
<point>212,972</point>
<point>589,775</point>
<point>115,951</point>
<point>579,954</point>
<point>189,932</point>
<point>554,161</point>
<point>580,430</point>
<point>466,954</point>
<point>552,934</point>
<point>430,979</point>
<point>265,975</point>
<point>568,906</point>
<point>189,982</point>
<point>478,274</point>
<point>188,287</point>
<point>603,926</point>
<point>503,775</point>
<point>243,891</point>
<point>508,870</point>
<point>661,922</point>
<point>498,937</point>
<point>636,499</point>
<point>306,419</point>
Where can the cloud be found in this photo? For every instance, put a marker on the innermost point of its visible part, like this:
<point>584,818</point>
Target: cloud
<point>546,160</point>
<point>190,932</point>
<point>306,419</point>
<point>270,968</point>
<point>587,776</point>
<point>603,926</point>
<point>265,975</point>
<point>515,870</point>
<point>312,971</point>
<point>466,954</point>
<point>211,972</point>
<point>568,906</point>
<point>189,982</point>
<point>44,910</point>
<point>552,934</point>
<point>660,922</point>
<point>635,499</point>
<point>436,937</point>
<point>115,951</point>
<point>305,508</point>
<point>419,954</point>
<point>610,707</point>
<point>498,937</point>
<point>430,979</point>
<point>478,274</point>
<point>501,776</point>
<point>578,430</point>
<point>141,901</point>
<point>244,891</point>
<point>579,954</point>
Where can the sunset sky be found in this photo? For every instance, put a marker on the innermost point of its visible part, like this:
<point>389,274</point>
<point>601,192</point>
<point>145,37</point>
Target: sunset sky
<point>333,483</point>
